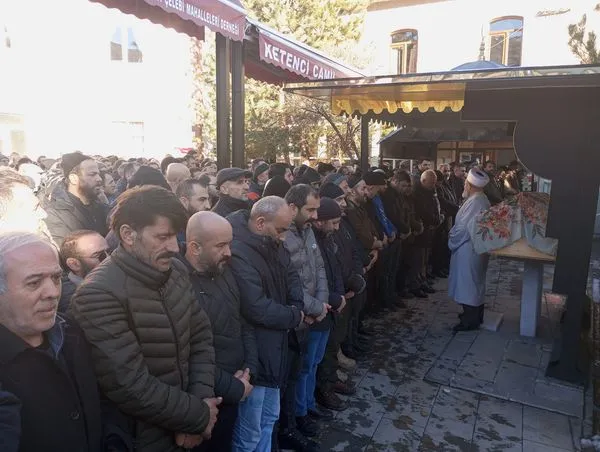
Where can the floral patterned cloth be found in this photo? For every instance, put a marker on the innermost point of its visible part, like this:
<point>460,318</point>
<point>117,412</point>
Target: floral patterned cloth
<point>524,215</point>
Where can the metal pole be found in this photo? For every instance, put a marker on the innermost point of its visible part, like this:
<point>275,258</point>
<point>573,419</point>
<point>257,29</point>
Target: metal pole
<point>223,103</point>
<point>238,94</point>
<point>364,144</point>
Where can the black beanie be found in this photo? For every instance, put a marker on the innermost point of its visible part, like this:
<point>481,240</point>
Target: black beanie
<point>276,186</point>
<point>328,210</point>
<point>330,190</point>
<point>309,176</point>
<point>354,179</point>
<point>70,161</point>
<point>260,169</point>
<point>147,175</point>
<point>373,178</point>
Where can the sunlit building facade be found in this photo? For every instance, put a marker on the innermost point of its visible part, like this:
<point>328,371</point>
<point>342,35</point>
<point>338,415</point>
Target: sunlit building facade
<point>76,75</point>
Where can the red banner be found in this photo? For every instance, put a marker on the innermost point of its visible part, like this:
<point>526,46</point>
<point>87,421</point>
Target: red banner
<point>220,16</point>
<point>300,60</point>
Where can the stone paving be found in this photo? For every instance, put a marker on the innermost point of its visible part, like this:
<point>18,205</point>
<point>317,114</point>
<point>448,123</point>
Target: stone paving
<point>396,409</point>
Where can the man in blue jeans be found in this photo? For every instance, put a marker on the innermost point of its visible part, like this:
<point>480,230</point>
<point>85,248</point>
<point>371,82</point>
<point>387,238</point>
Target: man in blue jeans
<point>271,300</point>
<point>328,220</point>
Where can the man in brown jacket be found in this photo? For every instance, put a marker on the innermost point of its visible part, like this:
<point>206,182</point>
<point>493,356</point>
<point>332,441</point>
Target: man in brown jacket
<point>151,342</point>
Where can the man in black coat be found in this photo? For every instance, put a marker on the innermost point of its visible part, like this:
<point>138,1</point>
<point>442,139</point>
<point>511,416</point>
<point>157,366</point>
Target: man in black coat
<point>271,300</point>
<point>233,185</point>
<point>427,208</point>
<point>45,363</point>
<point>208,239</point>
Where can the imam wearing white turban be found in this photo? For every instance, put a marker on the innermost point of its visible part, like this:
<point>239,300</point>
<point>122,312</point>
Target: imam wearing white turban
<point>467,268</point>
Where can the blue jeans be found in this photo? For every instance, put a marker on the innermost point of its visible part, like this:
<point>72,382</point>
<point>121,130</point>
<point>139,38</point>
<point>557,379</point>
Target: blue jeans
<point>307,379</point>
<point>256,417</point>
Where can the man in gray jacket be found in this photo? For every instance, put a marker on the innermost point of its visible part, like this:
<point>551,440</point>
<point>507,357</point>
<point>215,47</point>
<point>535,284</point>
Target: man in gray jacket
<point>307,261</point>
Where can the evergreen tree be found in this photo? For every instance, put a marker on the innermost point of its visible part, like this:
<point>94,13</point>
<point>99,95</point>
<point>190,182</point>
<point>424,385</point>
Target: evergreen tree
<point>583,44</point>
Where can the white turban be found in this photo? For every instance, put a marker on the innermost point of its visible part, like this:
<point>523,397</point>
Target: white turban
<point>478,178</point>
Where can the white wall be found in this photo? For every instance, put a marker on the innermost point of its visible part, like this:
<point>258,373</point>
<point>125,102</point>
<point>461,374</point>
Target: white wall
<point>450,32</point>
<point>59,76</point>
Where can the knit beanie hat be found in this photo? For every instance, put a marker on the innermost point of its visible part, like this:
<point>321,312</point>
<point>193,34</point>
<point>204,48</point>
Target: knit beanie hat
<point>335,178</point>
<point>147,175</point>
<point>354,180</point>
<point>330,190</point>
<point>328,210</point>
<point>373,178</point>
<point>260,169</point>
<point>276,186</point>
<point>70,161</point>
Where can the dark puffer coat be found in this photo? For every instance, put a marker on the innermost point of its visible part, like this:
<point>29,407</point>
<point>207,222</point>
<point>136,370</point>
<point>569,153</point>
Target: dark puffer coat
<point>151,346</point>
<point>271,296</point>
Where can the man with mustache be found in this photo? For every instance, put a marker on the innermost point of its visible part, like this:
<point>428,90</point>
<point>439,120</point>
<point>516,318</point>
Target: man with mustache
<point>74,205</point>
<point>207,258</point>
<point>306,259</point>
<point>151,341</point>
<point>81,252</point>
<point>46,365</point>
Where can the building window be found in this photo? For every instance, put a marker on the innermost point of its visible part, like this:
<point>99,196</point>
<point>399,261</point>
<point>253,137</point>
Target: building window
<point>404,51</point>
<point>506,40</point>
<point>116,45</point>
<point>134,53</point>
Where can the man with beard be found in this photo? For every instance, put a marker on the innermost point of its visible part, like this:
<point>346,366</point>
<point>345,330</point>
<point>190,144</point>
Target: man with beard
<point>151,341</point>
<point>493,190</point>
<point>307,261</point>
<point>194,196</point>
<point>260,177</point>
<point>427,208</point>
<point>233,187</point>
<point>74,205</point>
<point>468,269</point>
<point>208,254</point>
<point>81,252</point>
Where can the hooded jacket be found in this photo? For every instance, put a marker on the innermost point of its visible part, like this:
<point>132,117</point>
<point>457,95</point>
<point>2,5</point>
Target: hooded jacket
<point>151,347</point>
<point>270,296</point>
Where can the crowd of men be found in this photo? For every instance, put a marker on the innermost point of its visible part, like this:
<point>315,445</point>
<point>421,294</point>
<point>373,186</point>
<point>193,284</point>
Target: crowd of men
<point>207,310</point>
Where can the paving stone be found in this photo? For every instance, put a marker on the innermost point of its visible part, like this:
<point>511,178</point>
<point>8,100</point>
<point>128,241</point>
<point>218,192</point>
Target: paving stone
<point>455,405</point>
<point>524,353</point>
<point>570,399</point>
<point>487,346</point>
<point>377,387</point>
<point>456,350</point>
<point>480,370</point>
<point>413,400</point>
<point>530,446</point>
<point>396,435</point>
<point>442,371</point>
<point>515,379</point>
<point>547,428</point>
<point>339,439</point>
<point>466,336</point>
<point>361,418</point>
<point>447,436</point>
<point>499,425</point>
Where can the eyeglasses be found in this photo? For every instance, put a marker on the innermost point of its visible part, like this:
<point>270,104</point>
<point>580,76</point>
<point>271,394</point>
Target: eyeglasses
<point>100,255</point>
